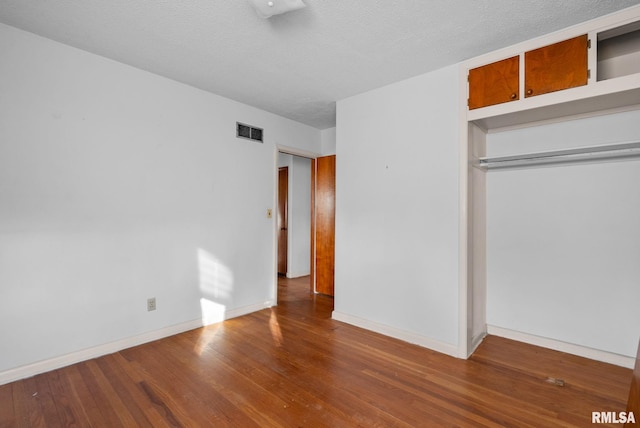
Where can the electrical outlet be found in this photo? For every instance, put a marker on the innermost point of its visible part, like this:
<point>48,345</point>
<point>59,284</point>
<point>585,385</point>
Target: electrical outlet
<point>151,304</point>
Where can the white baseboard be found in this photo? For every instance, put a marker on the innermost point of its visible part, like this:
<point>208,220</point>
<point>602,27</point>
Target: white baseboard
<point>291,275</point>
<point>33,369</point>
<point>396,333</point>
<point>475,342</point>
<point>558,345</point>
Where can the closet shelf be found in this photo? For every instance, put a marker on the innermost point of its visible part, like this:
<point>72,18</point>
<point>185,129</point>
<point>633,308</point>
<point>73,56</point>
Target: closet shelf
<point>580,154</point>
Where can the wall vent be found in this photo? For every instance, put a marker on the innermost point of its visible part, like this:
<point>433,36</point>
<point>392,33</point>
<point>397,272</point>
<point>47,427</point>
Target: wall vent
<point>248,132</point>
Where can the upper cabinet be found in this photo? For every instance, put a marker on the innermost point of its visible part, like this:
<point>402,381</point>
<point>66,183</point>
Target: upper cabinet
<point>494,83</point>
<point>589,68</point>
<point>555,67</point>
<point>559,66</point>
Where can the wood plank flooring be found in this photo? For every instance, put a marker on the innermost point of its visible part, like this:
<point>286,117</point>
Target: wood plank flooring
<point>292,366</point>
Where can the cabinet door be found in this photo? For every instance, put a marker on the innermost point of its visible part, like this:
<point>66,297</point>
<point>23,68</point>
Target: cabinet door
<point>556,67</point>
<point>494,83</point>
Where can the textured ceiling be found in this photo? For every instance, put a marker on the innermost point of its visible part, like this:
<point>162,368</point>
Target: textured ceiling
<point>299,64</point>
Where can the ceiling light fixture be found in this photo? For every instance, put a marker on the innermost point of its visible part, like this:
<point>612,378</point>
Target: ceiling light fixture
<point>266,9</point>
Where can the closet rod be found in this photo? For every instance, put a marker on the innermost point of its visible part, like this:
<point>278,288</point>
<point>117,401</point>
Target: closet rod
<point>580,154</point>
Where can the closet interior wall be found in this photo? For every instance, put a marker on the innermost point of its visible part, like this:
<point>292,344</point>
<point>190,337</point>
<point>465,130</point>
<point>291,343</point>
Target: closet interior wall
<point>562,239</point>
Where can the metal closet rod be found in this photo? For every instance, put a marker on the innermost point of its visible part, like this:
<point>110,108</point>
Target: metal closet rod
<point>591,153</point>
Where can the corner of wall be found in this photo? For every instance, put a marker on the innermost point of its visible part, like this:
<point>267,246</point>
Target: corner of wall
<point>328,141</point>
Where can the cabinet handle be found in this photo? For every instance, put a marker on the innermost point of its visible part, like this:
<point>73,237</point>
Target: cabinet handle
<point>514,96</point>
<point>529,91</point>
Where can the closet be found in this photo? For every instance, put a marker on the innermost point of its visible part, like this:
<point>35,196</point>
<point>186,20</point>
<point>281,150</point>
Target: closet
<point>550,147</point>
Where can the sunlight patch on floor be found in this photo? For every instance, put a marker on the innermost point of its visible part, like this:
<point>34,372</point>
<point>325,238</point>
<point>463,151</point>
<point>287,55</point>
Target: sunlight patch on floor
<point>276,331</point>
<point>207,336</point>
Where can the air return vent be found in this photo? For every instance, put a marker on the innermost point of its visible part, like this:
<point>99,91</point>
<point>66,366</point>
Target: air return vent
<point>248,132</point>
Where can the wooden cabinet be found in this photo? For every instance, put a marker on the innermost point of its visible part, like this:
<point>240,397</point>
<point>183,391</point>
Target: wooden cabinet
<point>494,83</point>
<point>556,67</point>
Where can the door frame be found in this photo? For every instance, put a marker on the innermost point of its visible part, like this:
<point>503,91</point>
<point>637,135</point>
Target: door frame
<point>279,148</point>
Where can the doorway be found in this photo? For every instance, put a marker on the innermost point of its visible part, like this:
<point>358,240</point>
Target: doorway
<point>293,216</point>
<point>305,233</point>
<point>306,220</point>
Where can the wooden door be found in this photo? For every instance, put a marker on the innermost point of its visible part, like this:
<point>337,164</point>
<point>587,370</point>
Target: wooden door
<point>556,67</point>
<point>283,218</point>
<point>494,83</point>
<point>323,227</point>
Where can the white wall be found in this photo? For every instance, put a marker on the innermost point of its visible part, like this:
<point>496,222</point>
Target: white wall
<point>299,204</point>
<point>299,217</point>
<point>397,210</point>
<point>563,242</point>
<point>328,138</point>
<point>284,160</point>
<point>117,185</point>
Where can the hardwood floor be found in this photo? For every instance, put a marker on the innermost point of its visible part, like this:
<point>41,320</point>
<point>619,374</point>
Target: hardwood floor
<point>293,366</point>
